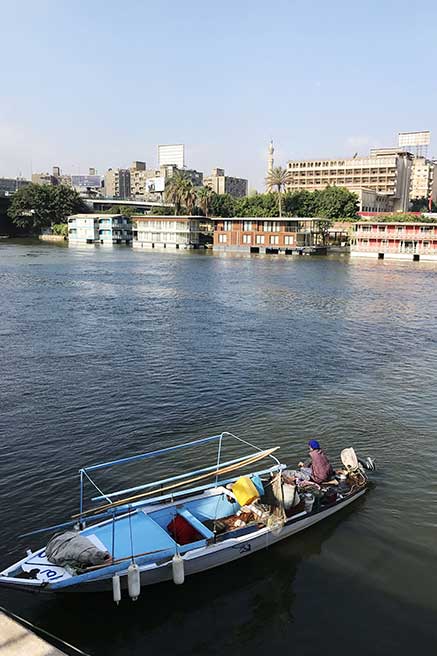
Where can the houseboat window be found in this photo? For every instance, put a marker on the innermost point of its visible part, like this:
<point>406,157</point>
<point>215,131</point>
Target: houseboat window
<point>228,225</point>
<point>246,239</point>
<point>274,239</point>
<point>260,239</point>
<point>223,239</point>
<point>247,225</point>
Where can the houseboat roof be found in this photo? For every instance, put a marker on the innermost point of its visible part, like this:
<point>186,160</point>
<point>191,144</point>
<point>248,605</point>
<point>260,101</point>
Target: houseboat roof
<point>396,223</point>
<point>172,217</point>
<point>94,215</point>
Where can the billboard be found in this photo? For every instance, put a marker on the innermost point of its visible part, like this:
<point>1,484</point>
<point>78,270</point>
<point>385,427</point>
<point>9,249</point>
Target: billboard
<point>414,138</point>
<point>85,181</point>
<point>155,184</point>
<point>172,154</point>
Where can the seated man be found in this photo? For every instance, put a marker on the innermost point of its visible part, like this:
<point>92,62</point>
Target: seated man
<point>319,469</point>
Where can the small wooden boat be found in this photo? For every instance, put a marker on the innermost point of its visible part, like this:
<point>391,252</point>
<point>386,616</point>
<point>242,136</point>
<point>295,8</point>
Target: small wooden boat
<point>160,532</point>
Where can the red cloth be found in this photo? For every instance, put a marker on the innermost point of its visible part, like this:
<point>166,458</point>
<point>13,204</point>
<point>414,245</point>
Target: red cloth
<point>182,531</point>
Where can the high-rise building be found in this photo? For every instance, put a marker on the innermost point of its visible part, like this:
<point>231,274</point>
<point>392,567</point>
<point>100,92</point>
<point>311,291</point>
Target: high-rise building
<point>422,183</point>
<point>117,183</point>
<point>171,154</point>
<point>386,171</point>
<point>225,184</point>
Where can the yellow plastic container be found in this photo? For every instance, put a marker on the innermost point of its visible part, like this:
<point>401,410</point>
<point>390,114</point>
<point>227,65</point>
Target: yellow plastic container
<point>245,491</point>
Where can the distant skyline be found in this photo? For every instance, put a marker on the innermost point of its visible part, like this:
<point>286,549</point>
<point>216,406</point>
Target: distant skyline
<point>101,84</point>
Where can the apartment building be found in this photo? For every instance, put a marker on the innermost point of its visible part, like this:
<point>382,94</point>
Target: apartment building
<point>410,241</point>
<point>9,186</point>
<point>175,232</point>
<point>266,235</point>
<point>386,171</point>
<point>99,229</point>
<point>117,183</point>
<point>423,179</point>
<point>225,184</point>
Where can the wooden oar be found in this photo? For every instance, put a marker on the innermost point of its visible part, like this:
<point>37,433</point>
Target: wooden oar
<point>226,470</point>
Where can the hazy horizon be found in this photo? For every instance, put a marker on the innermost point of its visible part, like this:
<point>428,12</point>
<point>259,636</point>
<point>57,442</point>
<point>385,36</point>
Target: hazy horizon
<point>101,85</point>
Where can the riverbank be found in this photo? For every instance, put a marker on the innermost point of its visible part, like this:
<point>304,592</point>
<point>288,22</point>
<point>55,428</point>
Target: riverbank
<point>17,640</point>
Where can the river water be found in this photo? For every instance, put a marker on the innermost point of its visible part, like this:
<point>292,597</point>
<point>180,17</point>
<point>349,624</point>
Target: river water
<point>110,352</point>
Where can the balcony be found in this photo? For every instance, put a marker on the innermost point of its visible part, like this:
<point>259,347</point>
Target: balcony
<point>403,234</point>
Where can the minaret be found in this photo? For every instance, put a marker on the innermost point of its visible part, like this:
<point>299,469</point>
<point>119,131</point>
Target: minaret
<point>270,159</point>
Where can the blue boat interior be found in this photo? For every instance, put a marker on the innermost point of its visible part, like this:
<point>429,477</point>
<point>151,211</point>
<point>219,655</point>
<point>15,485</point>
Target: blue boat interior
<point>142,532</point>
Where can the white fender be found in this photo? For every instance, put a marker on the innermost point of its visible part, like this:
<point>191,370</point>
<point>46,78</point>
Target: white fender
<point>133,581</point>
<point>177,564</point>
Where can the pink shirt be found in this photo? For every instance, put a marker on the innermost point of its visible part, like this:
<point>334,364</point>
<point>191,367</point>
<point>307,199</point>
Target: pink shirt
<point>321,469</point>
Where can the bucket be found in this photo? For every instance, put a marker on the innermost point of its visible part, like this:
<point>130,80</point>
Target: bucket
<point>245,491</point>
<point>309,502</point>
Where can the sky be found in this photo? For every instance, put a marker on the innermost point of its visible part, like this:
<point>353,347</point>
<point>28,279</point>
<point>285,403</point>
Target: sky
<point>102,83</point>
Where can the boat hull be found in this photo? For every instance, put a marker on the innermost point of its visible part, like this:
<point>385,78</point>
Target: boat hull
<point>222,553</point>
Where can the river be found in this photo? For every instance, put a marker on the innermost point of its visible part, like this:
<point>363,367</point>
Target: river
<point>107,352</point>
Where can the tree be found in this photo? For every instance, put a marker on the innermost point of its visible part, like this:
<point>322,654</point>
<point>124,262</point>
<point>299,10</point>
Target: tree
<point>257,205</point>
<point>204,197</point>
<point>422,205</point>
<point>337,203</point>
<point>39,206</point>
<point>222,205</point>
<point>126,210</point>
<point>180,191</point>
<point>301,203</point>
<point>277,179</point>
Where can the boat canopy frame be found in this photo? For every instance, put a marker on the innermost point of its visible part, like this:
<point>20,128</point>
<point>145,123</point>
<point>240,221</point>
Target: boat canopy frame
<point>118,509</point>
<point>84,472</point>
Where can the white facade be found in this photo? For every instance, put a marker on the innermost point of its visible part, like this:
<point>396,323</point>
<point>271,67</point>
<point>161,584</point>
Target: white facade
<point>99,229</point>
<point>171,154</point>
<point>166,231</point>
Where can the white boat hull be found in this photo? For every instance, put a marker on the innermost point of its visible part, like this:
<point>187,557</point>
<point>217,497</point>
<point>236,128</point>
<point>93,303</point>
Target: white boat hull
<point>221,553</point>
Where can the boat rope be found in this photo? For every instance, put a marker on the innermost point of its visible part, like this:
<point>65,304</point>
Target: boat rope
<point>253,446</point>
<point>225,470</point>
<point>66,646</point>
<point>96,486</point>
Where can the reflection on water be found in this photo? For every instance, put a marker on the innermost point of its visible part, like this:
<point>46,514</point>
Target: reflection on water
<point>107,352</point>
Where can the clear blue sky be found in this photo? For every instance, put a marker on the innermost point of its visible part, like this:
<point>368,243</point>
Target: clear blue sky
<point>101,83</point>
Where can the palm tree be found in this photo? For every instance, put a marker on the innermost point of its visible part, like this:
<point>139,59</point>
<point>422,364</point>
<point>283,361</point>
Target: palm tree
<point>277,179</point>
<point>189,196</point>
<point>204,196</point>
<point>180,191</point>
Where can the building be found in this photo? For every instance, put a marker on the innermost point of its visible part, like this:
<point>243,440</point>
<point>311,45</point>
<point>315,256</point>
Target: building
<point>9,186</point>
<point>44,179</point>
<point>371,201</point>
<point>53,178</point>
<point>166,231</point>
<point>409,241</point>
<point>99,229</point>
<point>87,183</point>
<point>386,171</point>
<point>171,154</point>
<point>423,179</point>
<point>225,184</point>
<point>117,183</point>
<point>266,235</point>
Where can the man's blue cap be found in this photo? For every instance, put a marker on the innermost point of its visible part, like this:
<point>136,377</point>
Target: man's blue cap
<point>314,444</point>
